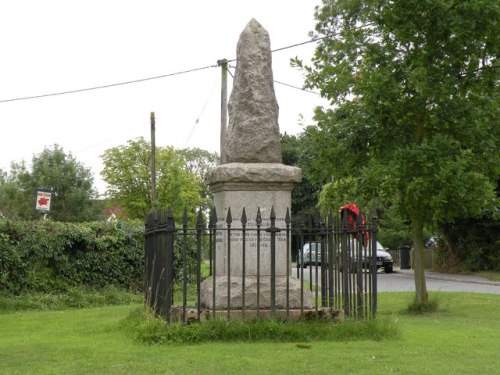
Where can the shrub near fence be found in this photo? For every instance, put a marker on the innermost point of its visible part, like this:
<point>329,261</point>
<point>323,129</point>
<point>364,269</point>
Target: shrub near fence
<point>50,256</point>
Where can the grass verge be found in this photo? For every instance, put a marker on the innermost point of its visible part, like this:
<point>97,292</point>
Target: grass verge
<point>460,338</point>
<point>490,275</point>
<point>78,297</point>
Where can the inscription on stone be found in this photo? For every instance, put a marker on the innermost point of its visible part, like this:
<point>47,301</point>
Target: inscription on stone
<point>252,234</point>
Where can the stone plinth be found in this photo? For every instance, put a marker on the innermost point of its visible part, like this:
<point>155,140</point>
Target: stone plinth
<point>253,186</point>
<point>264,293</point>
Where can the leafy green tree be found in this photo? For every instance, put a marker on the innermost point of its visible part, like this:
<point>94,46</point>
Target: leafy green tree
<point>127,171</point>
<point>295,151</point>
<point>200,162</point>
<point>70,181</point>
<point>414,120</point>
<point>14,204</point>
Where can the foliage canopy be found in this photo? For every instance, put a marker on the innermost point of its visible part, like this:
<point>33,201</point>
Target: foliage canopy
<point>414,120</point>
<point>70,181</point>
<point>127,171</point>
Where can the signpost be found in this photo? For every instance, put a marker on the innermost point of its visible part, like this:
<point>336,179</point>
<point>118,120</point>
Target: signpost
<point>43,200</point>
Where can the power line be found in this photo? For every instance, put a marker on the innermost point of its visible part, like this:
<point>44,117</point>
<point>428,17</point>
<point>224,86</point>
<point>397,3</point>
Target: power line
<point>201,112</point>
<point>108,86</point>
<point>297,87</point>
<point>282,83</point>
<point>314,40</point>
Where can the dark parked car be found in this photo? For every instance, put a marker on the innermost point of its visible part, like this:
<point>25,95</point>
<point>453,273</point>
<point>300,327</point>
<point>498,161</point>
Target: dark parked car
<point>310,254</point>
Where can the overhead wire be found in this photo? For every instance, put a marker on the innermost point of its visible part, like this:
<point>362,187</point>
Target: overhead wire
<point>94,88</point>
<point>196,122</point>
<point>152,78</point>
<point>160,77</point>
<point>281,83</point>
<point>297,87</point>
<point>109,85</point>
<point>313,40</point>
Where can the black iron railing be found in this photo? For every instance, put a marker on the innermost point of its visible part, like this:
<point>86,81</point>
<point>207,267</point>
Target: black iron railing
<point>340,273</point>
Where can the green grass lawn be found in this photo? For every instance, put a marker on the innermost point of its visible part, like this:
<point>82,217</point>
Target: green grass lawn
<point>462,338</point>
<point>491,275</point>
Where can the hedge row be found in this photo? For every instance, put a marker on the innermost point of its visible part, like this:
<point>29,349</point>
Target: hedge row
<point>474,244</point>
<point>51,256</point>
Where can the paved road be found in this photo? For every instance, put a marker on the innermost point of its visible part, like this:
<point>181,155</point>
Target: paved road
<point>402,281</point>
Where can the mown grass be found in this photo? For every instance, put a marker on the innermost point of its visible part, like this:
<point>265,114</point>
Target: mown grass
<point>490,275</point>
<point>460,338</point>
<point>77,297</point>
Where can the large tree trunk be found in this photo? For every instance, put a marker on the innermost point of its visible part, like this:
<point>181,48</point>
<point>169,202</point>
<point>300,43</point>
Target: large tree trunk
<point>418,262</point>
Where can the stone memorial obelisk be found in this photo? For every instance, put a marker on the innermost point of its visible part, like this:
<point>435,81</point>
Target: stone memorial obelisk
<point>252,177</point>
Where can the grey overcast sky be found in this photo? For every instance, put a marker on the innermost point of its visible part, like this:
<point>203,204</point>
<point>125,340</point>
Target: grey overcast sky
<point>56,46</point>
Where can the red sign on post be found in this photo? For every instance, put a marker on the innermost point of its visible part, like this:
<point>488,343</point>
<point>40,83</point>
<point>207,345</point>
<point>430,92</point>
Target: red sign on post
<point>43,200</point>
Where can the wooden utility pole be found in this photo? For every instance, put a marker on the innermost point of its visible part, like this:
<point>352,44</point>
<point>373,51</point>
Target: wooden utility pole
<point>153,161</point>
<point>223,109</point>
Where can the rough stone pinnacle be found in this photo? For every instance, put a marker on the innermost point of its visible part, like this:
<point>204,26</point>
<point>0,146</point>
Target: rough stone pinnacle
<point>253,133</point>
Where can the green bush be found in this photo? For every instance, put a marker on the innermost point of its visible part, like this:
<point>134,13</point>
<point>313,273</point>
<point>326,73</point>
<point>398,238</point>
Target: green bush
<point>48,256</point>
<point>474,244</point>
<point>12,267</point>
<point>52,257</point>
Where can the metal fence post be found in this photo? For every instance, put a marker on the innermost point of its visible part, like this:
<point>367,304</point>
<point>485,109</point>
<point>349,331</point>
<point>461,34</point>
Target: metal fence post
<point>243,257</point>
<point>324,273</point>
<point>288,262</point>
<point>184,264</point>
<point>213,242</point>
<point>374,230</point>
<point>229,220</point>
<point>258,222</point>
<point>169,271</point>
<point>361,255</point>
<point>345,251</point>
<point>273,230</point>
<point>199,229</point>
